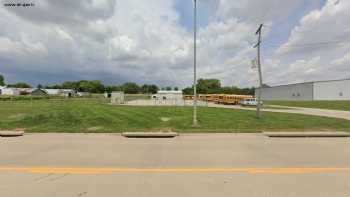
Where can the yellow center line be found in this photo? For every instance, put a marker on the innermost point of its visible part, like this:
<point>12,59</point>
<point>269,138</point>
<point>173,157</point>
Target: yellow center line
<point>77,170</point>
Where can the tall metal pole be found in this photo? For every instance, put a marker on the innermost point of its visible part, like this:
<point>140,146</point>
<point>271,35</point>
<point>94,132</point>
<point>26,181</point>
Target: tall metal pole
<point>258,106</point>
<point>195,121</point>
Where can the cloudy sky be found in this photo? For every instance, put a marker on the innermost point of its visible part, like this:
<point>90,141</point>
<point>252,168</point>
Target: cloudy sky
<point>151,41</point>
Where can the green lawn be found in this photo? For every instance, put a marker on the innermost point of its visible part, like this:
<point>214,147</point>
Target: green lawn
<point>336,105</point>
<point>94,117</point>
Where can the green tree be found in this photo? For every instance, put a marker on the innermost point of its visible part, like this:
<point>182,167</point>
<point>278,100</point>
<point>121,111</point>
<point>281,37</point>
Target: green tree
<point>168,88</point>
<point>70,85</point>
<point>2,80</point>
<point>19,85</point>
<point>115,88</point>
<point>208,86</point>
<point>131,88</point>
<point>145,89</point>
<point>53,87</point>
<point>176,89</point>
<point>213,86</point>
<point>90,86</point>
<point>188,91</point>
<point>153,89</point>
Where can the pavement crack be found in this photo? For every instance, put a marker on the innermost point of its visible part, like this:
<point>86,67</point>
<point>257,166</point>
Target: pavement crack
<point>82,194</point>
<point>59,177</point>
<point>43,177</point>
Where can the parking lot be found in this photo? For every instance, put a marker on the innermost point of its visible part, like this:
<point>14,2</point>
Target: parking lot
<point>190,165</point>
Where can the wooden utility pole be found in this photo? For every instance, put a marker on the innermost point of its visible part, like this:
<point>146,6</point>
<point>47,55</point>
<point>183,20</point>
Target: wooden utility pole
<point>258,106</point>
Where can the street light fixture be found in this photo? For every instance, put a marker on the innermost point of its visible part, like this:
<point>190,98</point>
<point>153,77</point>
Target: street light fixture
<point>195,121</point>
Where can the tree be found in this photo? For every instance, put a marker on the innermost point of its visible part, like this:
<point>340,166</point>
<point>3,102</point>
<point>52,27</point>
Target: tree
<point>176,89</point>
<point>53,87</point>
<point>188,91</point>
<point>153,89</point>
<point>131,88</point>
<point>90,86</point>
<point>110,89</point>
<point>213,86</point>
<point>19,85</point>
<point>149,89</point>
<point>39,86</point>
<point>208,86</point>
<point>168,88</point>
<point>2,80</point>
<point>70,85</point>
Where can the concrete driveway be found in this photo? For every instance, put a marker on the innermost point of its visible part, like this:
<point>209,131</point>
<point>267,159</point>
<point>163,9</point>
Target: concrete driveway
<point>295,110</point>
<point>39,165</point>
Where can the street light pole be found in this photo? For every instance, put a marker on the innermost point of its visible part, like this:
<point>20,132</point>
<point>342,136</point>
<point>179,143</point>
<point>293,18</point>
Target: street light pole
<point>195,121</point>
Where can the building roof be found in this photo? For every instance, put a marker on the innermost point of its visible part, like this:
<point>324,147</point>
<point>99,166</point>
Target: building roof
<point>53,91</point>
<point>310,82</point>
<point>39,90</point>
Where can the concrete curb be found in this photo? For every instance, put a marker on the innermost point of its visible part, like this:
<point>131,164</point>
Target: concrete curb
<point>11,133</point>
<point>306,134</point>
<point>150,134</point>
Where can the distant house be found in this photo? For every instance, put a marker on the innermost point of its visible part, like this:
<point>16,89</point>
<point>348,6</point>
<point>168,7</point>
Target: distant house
<point>107,95</point>
<point>68,93</point>
<point>61,92</point>
<point>25,91</point>
<point>117,98</point>
<point>9,91</point>
<point>168,95</point>
<point>39,92</point>
<point>83,94</point>
<point>53,91</point>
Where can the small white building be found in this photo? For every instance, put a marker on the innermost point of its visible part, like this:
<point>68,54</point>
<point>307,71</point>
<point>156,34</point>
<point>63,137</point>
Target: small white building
<point>117,98</point>
<point>168,95</point>
<point>53,91</point>
<point>9,91</point>
<point>61,92</point>
<point>83,94</point>
<point>68,92</point>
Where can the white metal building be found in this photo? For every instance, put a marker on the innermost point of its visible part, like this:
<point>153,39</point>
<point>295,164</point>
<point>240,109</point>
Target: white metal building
<point>318,90</point>
<point>168,95</point>
<point>61,92</point>
<point>9,91</point>
<point>53,91</point>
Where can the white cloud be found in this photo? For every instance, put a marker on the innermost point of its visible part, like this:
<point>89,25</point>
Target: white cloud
<point>257,11</point>
<point>143,41</point>
<point>322,35</point>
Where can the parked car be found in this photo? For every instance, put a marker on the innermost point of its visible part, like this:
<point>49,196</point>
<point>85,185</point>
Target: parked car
<point>250,102</point>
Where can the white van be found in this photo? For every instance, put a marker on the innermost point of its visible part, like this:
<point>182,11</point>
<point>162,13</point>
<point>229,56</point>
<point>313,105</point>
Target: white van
<point>250,102</point>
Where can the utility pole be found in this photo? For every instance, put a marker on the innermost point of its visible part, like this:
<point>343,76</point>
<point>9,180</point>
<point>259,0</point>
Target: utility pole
<point>195,121</point>
<point>258,106</point>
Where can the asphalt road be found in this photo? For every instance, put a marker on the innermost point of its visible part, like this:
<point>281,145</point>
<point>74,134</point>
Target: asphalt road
<point>64,165</point>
